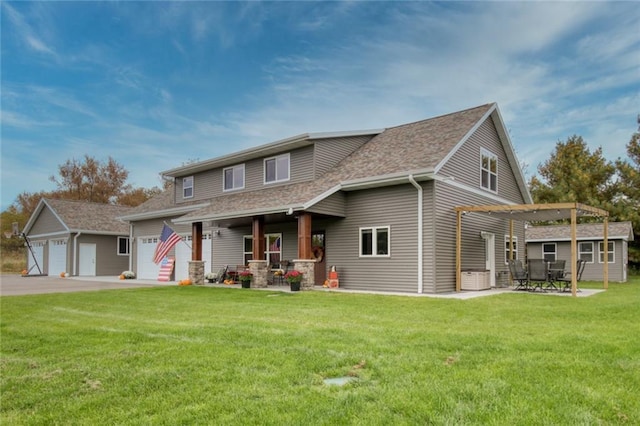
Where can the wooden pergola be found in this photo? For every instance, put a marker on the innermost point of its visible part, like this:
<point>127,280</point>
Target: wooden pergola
<point>537,212</point>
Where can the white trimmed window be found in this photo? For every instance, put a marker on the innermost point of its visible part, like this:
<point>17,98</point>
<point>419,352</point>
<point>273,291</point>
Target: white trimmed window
<point>233,178</point>
<point>375,241</point>
<point>276,169</point>
<point>507,248</point>
<point>585,251</point>
<point>247,251</point>
<point>488,170</point>
<point>273,249</point>
<point>549,251</point>
<point>611,252</point>
<point>123,246</point>
<point>187,187</point>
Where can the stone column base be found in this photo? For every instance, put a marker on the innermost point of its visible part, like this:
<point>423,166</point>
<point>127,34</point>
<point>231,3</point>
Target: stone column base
<point>307,267</point>
<point>260,271</point>
<point>196,271</point>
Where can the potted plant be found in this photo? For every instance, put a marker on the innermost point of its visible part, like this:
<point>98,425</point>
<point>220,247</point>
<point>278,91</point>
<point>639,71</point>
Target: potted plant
<point>294,278</point>
<point>245,278</point>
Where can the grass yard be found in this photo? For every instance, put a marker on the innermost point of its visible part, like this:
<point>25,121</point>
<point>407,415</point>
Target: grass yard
<point>199,355</point>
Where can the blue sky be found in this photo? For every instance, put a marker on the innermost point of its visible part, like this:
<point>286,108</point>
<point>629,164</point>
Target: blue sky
<point>159,84</point>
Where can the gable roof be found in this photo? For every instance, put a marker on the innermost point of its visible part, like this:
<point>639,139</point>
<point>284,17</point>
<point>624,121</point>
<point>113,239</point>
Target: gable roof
<point>585,231</point>
<point>162,205</point>
<point>82,216</point>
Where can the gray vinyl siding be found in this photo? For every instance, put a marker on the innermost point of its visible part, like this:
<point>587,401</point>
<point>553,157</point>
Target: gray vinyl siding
<point>107,260</point>
<point>394,206</point>
<point>209,184</point>
<point>329,152</point>
<point>465,164</point>
<point>46,223</point>
<point>334,205</point>
<point>592,271</point>
<point>473,246</point>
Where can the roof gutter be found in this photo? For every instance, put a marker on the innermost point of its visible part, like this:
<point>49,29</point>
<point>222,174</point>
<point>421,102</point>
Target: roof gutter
<point>420,233</point>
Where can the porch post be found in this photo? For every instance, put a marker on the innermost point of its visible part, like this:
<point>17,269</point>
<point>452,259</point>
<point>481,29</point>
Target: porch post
<point>258,238</point>
<point>196,265</point>
<point>304,236</point>
<point>574,253</point>
<point>196,243</point>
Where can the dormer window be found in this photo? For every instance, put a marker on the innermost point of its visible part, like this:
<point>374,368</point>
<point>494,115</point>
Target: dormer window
<point>276,169</point>
<point>187,187</point>
<point>233,178</point>
<point>489,170</point>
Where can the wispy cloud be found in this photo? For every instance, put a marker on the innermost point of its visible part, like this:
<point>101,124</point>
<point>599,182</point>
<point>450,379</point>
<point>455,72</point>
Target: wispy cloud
<point>25,31</point>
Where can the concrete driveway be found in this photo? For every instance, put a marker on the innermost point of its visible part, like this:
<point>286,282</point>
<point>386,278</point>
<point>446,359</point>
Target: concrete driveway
<point>15,285</point>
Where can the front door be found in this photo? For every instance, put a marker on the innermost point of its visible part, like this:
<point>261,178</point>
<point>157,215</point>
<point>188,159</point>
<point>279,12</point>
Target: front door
<point>318,247</point>
<point>87,254</point>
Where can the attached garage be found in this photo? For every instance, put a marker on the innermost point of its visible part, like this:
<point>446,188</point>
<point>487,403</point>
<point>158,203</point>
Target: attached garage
<point>147,270</point>
<point>57,257</point>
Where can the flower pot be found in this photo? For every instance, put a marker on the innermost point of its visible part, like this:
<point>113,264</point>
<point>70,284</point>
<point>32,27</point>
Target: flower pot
<point>246,284</point>
<point>210,280</point>
<point>295,286</point>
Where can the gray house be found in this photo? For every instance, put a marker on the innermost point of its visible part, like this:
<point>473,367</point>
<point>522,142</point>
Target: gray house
<point>379,205</point>
<point>78,238</point>
<point>553,242</point>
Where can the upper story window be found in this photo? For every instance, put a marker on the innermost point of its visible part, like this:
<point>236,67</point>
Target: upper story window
<point>123,246</point>
<point>375,241</point>
<point>187,187</point>
<point>276,169</point>
<point>549,252</point>
<point>233,178</point>
<point>489,170</point>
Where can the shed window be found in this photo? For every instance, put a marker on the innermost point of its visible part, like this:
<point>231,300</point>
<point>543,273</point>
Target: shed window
<point>549,252</point>
<point>489,170</point>
<point>187,187</point>
<point>585,251</point>
<point>233,177</point>
<point>276,169</point>
<point>375,241</point>
<point>611,252</point>
<point>123,246</point>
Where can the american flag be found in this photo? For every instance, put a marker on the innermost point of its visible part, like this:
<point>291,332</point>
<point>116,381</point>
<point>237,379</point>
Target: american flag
<point>168,239</point>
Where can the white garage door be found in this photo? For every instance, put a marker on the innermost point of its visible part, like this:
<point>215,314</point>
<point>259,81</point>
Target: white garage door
<point>37,247</point>
<point>57,257</point>
<point>183,255</point>
<point>146,247</point>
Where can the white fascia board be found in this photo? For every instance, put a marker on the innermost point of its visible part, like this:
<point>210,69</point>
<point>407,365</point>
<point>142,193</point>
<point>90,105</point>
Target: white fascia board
<point>58,234</point>
<point>565,239</point>
<point>386,180</point>
<point>162,213</point>
<point>234,215</point>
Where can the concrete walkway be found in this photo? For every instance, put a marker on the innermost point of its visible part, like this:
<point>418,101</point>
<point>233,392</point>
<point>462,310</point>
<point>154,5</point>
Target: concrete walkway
<point>14,285</point>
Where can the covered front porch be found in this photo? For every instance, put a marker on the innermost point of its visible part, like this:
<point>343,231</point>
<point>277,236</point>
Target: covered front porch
<point>257,243</point>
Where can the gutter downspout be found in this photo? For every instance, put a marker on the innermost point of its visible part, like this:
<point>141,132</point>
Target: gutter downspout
<point>75,253</point>
<point>420,234</point>
<point>131,247</point>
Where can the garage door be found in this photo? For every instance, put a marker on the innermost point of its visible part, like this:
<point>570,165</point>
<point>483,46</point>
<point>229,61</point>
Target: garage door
<point>146,247</point>
<point>57,257</point>
<point>183,255</point>
<point>37,247</point>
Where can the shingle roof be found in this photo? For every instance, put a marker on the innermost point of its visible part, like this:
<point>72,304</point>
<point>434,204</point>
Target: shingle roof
<point>584,231</point>
<point>93,217</point>
<point>407,148</point>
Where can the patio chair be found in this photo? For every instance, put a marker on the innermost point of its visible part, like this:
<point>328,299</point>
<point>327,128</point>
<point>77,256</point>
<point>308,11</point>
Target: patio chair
<point>279,269</point>
<point>556,271</point>
<point>519,274</point>
<point>538,274</point>
<point>566,278</point>
<point>221,275</point>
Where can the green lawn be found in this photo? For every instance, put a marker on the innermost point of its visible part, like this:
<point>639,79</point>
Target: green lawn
<point>201,355</point>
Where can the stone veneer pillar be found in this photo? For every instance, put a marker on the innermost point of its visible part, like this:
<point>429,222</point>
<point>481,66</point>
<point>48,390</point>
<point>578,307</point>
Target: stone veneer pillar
<point>307,267</point>
<point>196,271</point>
<point>259,269</point>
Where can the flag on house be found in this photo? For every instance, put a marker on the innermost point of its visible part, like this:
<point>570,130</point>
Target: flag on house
<point>168,239</point>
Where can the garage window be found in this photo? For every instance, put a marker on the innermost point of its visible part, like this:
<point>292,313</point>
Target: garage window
<point>123,246</point>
